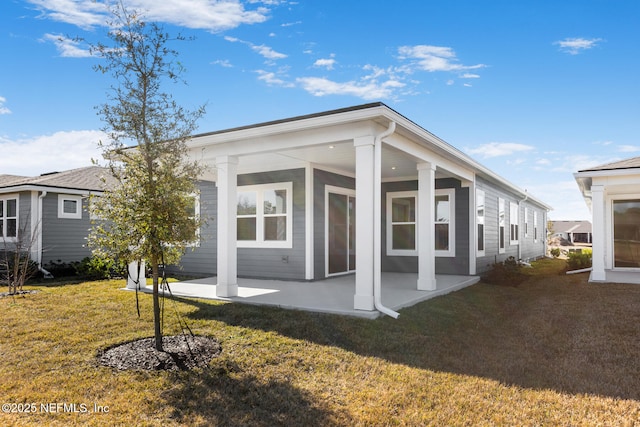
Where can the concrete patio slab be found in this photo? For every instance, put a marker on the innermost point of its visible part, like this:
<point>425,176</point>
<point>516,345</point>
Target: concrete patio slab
<point>333,295</point>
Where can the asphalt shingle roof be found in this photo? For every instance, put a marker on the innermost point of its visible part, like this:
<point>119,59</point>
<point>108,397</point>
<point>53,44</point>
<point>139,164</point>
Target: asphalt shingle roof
<point>622,164</point>
<point>87,178</point>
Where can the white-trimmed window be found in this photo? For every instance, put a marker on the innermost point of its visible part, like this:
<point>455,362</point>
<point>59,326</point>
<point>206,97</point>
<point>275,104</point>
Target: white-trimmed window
<point>480,215</point>
<point>193,210</point>
<point>535,226</point>
<point>445,222</point>
<point>526,222</point>
<point>514,221</point>
<point>501,226</point>
<point>69,207</point>
<point>9,218</point>
<point>402,226</point>
<point>265,216</point>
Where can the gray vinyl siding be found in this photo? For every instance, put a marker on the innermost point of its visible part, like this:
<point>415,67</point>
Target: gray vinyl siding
<point>23,224</point>
<point>264,263</point>
<point>200,260</point>
<point>459,264</point>
<point>530,248</point>
<point>63,239</point>
<point>444,265</point>
<point>278,263</point>
<point>321,179</point>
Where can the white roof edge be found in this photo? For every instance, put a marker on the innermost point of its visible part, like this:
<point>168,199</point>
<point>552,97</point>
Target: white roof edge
<point>474,165</point>
<point>378,110</point>
<point>62,190</point>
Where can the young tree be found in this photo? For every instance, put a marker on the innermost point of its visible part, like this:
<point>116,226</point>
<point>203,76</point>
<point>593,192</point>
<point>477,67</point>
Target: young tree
<point>148,215</point>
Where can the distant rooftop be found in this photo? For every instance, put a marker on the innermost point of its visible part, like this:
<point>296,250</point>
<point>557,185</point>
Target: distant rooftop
<point>571,226</point>
<point>88,178</point>
<point>622,164</point>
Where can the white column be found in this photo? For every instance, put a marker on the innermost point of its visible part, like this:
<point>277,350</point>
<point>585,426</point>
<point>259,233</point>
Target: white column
<point>473,227</point>
<point>363,298</point>
<point>426,227</point>
<point>599,233</point>
<point>227,184</point>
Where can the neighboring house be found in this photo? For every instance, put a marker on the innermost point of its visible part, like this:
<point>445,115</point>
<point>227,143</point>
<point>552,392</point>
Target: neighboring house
<point>572,231</point>
<point>358,190</point>
<point>612,192</point>
<point>51,208</point>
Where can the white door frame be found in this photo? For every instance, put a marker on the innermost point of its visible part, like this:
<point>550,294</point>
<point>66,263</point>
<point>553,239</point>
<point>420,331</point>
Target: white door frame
<point>341,191</point>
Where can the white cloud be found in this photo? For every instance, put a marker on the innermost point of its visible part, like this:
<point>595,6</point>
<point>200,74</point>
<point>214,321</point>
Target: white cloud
<point>629,148</point>
<point>574,46</point>
<point>327,63</point>
<point>434,58</point>
<point>470,76</point>
<point>497,149</point>
<point>319,86</point>
<point>57,152</point>
<point>67,47</point>
<point>214,16</point>
<point>265,51</point>
<point>272,79</point>
<point>223,63</point>
<point>3,109</point>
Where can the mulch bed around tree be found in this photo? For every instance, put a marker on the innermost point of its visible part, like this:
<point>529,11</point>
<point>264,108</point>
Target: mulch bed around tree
<point>181,352</point>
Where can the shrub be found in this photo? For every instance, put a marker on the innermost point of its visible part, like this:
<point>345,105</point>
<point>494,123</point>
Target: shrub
<point>555,252</point>
<point>507,273</point>
<point>96,267</point>
<point>578,260</point>
<point>60,269</point>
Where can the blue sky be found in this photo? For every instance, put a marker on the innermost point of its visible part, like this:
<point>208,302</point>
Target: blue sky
<point>534,90</point>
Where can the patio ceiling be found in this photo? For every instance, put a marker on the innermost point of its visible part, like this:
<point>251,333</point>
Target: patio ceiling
<point>336,156</point>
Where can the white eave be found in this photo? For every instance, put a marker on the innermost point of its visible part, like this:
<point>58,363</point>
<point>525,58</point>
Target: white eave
<point>378,114</point>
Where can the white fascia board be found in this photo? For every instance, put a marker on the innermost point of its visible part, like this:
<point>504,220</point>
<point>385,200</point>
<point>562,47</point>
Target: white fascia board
<point>61,190</point>
<point>264,131</point>
<point>463,162</point>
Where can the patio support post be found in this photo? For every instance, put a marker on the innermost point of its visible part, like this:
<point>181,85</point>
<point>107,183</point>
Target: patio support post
<point>227,267</point>
<point>426,224</point>
<point>599,233</point>
<point>363,298</point>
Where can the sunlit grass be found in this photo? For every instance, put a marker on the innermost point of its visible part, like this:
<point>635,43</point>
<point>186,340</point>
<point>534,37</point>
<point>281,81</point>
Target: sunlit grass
<point>554,350</point>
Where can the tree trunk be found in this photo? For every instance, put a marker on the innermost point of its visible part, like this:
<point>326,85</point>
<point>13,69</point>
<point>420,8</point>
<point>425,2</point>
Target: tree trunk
<point>156,307</point>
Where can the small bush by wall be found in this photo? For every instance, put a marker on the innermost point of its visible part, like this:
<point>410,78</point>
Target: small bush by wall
<point>579,259</point>
<point>507,273</point>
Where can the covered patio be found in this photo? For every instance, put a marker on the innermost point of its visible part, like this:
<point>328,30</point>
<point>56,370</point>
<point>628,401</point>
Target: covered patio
<point>333,295</point>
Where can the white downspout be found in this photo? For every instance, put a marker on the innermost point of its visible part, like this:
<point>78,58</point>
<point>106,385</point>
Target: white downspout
<point>526,196</point>
<point>47,275</point>
<point>377,212</point>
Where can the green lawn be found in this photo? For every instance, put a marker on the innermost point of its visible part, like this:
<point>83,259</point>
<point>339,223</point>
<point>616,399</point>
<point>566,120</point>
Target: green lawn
<point>553,350</point>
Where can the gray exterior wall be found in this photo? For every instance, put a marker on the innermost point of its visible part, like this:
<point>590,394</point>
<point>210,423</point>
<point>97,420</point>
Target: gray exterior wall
<point>201,260</point>
<point>444,265</point>
<point>276,263</point>
<point>321,179</point>
<point>531,249</point>
<point>63,239</point>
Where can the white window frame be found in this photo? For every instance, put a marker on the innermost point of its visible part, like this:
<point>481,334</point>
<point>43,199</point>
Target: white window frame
<point>67,215</point>
<point>397,195</point>
<point>451,192</point>
<point>4,218</point>
<point>480,196</point>
<point>196,208</point>
<point>514,224</point>
<point>502,224</point>
<point>526,222</point>
<point>535,226</point>
<point>260,216</point>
